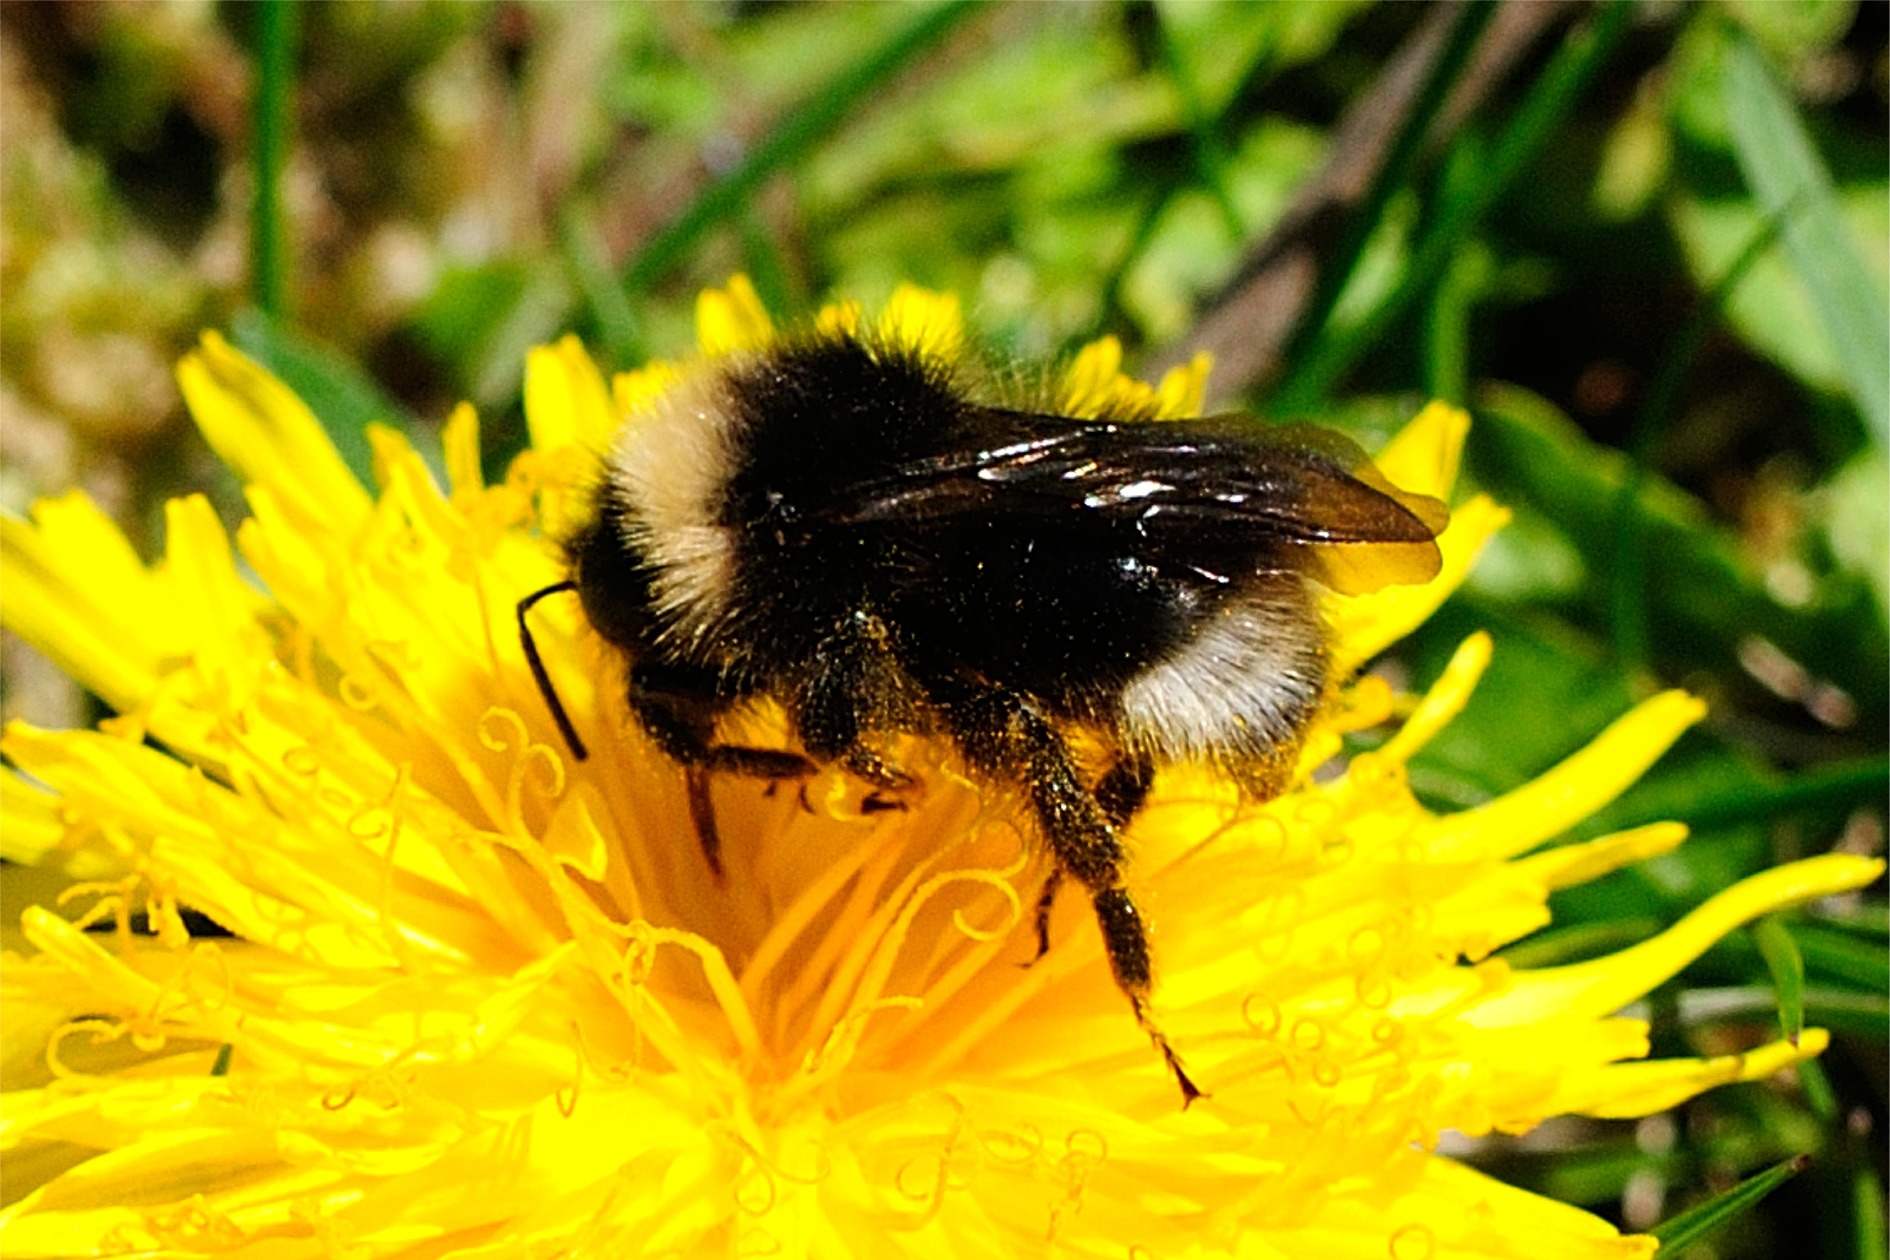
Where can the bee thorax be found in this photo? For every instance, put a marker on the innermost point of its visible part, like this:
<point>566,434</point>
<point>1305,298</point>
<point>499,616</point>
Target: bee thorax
<point>669,476</point>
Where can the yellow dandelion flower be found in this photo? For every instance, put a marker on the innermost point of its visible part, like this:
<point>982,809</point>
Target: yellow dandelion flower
<point>478,999</point>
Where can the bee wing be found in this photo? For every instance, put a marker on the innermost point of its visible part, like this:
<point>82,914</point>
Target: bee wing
<point>1212,486</point>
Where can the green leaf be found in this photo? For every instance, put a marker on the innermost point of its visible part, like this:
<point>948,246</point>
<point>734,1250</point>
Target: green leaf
<point>1581,1172</point>
<point>1797,29</point>
<point>1210,157</point>
<point>1628,597</point>
<point>1729,801</point>
<point>1870,918</point>
<point>1447,323</point>
<point>343,397</point>
<point>1834,963</point>
<point>1696,1223</point>
<point>1781,167</point>
<point>482,320</point>
<point>1854,514</point>
<point>1787,966</point>
<point>1703,599</point>
<point>1820,1098</point>
<point>1538,667</point>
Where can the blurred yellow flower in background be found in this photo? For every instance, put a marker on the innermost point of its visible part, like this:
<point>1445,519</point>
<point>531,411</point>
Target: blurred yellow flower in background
<point>479,999</point>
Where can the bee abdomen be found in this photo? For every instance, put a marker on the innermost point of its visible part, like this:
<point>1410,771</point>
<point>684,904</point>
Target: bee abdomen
<point>1243,685</point>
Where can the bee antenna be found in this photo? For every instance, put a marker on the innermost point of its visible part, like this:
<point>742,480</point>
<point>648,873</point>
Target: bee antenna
<point>540,676</point>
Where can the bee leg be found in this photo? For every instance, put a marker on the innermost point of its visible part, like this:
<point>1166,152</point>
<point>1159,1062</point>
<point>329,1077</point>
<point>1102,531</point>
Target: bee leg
<point>758,763</point>
<point>1123,788</point>
<point>1046,901</point>
<point>864,763</point>
<point>771,764</point>
<point>1125,938</point>
<point>857,689</point>
<point>1005,734</point>
<point>702,815</point>
<point>679,707</point>
<point>890,784</point>
<point>1121,791</point>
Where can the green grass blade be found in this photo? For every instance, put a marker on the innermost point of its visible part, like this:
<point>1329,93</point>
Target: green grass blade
<point>1840,1010</point>
<point>589,263</point>
<point>1308,378</point>
<point>1820,1097</point>
<point>1841,956</point>
<point>1837,785</point>
<point>1447,328</point>
<point>1535,123</point>
<point>273,122</point>
<point>804,126</point>
<point>1704,598</point>
<point>1871,919</point>
<point>1696,1223</point>
<point>1867,1193</point>
<point>1109,306</point>
<point>1627,613</point>
<point>1787,966</point>
<point>767,266</point>
<point>1725,802</point>
<point>1781,166</point>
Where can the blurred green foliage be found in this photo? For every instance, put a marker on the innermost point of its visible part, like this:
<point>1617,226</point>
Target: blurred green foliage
<point>1650,247</point>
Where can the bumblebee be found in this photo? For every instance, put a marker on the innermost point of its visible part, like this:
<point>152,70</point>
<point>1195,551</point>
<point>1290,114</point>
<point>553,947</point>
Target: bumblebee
<point>838,524</point>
